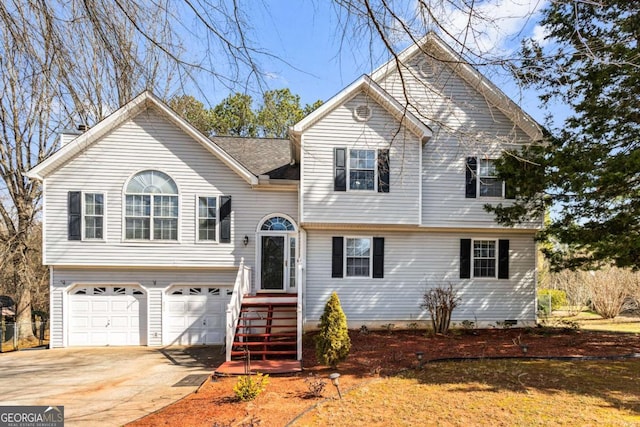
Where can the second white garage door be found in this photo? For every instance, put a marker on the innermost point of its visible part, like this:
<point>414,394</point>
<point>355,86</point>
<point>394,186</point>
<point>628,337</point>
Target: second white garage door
<point>196,315</point>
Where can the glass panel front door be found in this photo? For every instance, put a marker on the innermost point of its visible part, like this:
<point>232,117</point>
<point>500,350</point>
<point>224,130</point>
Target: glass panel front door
<point>272,263</point>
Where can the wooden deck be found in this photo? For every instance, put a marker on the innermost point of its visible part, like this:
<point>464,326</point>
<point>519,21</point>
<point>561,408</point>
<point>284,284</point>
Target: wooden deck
<point>236,367</point>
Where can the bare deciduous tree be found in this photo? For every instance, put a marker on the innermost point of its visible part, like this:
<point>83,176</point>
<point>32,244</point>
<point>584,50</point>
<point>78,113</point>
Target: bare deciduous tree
<point>607,291</point>
<point>51,77</point>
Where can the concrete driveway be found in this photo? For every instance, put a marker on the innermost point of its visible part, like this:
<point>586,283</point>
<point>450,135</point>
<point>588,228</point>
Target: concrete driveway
<point>106,386</point>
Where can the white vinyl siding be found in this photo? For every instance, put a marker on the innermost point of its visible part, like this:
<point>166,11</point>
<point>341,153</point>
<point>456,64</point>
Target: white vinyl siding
<point>154,313</point>
<point>415,262</point>
<point>339,129</point>
<point>151,142</point>
<point>56,322</point>
<point>464,124</point>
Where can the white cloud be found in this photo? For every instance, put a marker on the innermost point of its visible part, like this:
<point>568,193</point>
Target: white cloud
<point>490,26</point>
<point>539,33</point>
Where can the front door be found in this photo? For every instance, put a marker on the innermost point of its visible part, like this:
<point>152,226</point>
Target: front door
<point>272,264</point>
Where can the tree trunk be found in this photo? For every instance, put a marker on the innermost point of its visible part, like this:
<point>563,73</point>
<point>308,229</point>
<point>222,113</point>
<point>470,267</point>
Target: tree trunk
<point>22,285</point>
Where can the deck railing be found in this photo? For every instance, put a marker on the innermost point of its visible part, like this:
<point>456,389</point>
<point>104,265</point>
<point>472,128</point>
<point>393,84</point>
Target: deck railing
<point>299,311</point>
<point>241,287</point>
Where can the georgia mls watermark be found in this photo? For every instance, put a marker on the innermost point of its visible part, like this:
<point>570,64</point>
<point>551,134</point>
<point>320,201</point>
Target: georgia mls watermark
<point>31,416</point>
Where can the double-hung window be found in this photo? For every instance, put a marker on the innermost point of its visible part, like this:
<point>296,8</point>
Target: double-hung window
<point>85,216</point>
<point>358,257</point>
<point>362,257</point>
<point>93,215</point>
<point>151,207</point>
<point>482,180</point>
<point>207,218</point>
<point>488,183</point>
<point>484,258</point>
<point>362,169</point>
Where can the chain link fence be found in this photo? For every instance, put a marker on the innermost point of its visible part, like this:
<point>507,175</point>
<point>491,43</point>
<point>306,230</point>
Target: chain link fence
<point>10,341</point>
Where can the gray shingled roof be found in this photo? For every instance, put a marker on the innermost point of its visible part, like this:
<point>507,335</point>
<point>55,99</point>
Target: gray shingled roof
<point>261,156</point>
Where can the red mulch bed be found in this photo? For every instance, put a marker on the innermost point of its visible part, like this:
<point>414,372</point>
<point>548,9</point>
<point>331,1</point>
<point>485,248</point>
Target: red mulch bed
<point>375,354</point>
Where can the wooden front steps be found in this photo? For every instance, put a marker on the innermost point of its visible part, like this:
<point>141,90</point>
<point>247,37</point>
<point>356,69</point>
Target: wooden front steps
<point>267,328</point>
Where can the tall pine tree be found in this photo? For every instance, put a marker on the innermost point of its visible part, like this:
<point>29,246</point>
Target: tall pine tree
<point>589,172</point>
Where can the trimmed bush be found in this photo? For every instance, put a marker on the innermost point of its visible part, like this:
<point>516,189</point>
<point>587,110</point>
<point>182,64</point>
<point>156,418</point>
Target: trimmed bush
<point>332,342</point>
<point>248,388</point>
<point>440,301</point>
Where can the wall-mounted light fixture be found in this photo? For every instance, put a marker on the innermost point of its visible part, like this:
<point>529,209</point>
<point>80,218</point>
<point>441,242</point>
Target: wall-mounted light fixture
<point>154,283</point>
<point>245,240</point>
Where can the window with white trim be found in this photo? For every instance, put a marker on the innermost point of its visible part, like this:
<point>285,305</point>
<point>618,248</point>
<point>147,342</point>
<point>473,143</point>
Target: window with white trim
<point>358,256</point>
<point>207,218</point>
<point>362,170</point>
<point>488,183</point>
<point>93,217</point>
<point>277,223</point>
<point>151,207</point>
<point>484,258</point>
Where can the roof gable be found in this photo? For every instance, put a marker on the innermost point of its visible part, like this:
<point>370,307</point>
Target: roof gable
<point>372,89</point>
<point>436,47</point>
<point>139,104</point>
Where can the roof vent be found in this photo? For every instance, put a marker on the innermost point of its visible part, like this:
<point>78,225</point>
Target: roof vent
<point>362,112</point>
<point>426,68</point>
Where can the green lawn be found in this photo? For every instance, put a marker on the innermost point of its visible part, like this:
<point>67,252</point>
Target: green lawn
<point>592,321</point>
<point>493,393</point>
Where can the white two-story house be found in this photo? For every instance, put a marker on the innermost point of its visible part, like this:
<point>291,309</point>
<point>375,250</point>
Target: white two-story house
<point>157,235</point>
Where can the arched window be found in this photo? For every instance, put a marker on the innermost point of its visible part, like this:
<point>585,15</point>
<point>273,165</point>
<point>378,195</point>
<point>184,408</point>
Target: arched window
<point>277,223</point>
<point>151,204</point>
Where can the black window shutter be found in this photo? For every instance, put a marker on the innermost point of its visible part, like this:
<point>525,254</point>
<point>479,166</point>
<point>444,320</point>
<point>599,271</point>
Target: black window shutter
<point>74,206</point>
<point>340,165</point>
<point>471,173</point>
<point>225,219</point>
<point>378,257</point>
<point>465,258</point>
<point>503,259</point>
<point>509,191</point>
<point>337,257</point>
<point>383,171</point>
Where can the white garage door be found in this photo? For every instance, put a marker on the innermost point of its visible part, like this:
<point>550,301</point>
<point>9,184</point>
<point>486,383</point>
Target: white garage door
<point>107,315</point>
<point>196,315</point>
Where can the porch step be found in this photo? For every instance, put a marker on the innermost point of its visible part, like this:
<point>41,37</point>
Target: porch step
<point>246,303</point>
<point>267,315</point>
<point>264,318</point>
<point>262,343</point>
<point>271,335</point>
<point>266,353</point>
<point>267,311</point>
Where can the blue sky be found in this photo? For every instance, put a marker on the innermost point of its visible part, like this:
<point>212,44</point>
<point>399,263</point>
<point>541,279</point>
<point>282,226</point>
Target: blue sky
<point>315,62</point>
